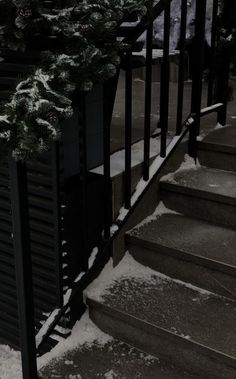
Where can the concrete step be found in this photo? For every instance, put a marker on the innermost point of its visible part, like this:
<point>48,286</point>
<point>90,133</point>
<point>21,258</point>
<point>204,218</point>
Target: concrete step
<point>188,249</point>
<point>218,149</point>
<point>108,358</point>
<point>204,193</point>
<point>166,318</point>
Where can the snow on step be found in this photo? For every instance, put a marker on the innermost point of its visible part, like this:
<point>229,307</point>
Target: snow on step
<point>206,181</point>
<point>189,235</point>
<point>89,353</point>
<point>184,310</point>
<point>188,249</point>
<point>205,193</point>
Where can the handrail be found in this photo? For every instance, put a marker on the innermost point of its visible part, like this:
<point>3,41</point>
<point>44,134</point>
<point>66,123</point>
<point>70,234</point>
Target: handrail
<point>145,21</point>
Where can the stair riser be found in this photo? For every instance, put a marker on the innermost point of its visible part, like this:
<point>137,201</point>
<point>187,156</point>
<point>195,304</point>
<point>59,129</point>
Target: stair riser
<point>213,211</point>
<point>171,264</point>
<point>161,343</point>
<point>221,161</point>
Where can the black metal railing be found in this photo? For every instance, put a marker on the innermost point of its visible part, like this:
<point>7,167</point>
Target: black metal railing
<point>111,228</point>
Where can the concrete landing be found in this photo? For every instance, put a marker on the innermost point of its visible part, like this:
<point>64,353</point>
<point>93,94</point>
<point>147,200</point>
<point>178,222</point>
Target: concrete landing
<point>167,318</point>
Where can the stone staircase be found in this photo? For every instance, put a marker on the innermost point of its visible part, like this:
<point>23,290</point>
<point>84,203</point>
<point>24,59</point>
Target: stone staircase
<point>174,294</point>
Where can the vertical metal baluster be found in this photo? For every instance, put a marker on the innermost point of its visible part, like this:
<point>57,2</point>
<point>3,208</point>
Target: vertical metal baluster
<point>57,219</point>
<point>182,44</point>
<point>165,76</point>
<point>83,177</point>
<point>224,59</point>
<point>107,169</point>
<point>213,53</point>
<point>23,263</point>
<point>198,67</point>
<point>109,95</point>
<point>148,103</point>
<point>128,127</point>
<point>197,76</point>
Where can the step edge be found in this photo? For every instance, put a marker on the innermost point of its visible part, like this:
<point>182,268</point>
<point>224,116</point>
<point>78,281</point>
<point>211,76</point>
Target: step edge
<point>197,193</point>
<point>215,147</point>
<point>182,254</point>
<point>159,331</point>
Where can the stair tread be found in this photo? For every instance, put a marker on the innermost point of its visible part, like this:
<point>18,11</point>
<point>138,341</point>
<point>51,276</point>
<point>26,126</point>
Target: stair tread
<point>222,140</point>
<point>188,235</point>
<point>164,303</point>
<point>112,359</point>
<point>206,182</point>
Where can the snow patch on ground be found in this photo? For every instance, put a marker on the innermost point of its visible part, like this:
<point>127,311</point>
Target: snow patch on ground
<point>110,375</point>
<point>10,363</point>
<point>84,333</point>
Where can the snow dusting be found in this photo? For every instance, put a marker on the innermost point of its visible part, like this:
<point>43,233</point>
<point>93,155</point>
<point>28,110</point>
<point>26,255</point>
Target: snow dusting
<point>118,158</point>
<point>110,375</point>
<point>84,333</point>
<point>188,164</point>
<point>10,363</point>
<point>160,210</point>
<point>42,332</point>
<point>129,268</point>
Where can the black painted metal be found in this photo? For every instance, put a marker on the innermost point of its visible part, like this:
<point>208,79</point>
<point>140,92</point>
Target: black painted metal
<point>148,102</point>
<point>107,182</point>
<point>22,247</point>
<point>57,215</point>
<point>199,41</point>
<point>211,74</point>
<point>109,94</point>
<point>165,74</point>
<point>197,75</point>
<point>128,127</point>
<point>182,58</point>
<point>83,170</point>
<point>106,249</point>
<point>142,26</point>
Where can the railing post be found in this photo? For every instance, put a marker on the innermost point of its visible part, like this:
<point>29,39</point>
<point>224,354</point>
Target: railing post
<point>182,44</point>
<point>57,219</point>
<point>222,80</point>
<point>23,263</point>
<point>107,116</point>
<point>224,57</point>
<point>199,41</point>
<point>83,177</point>
<point>148,103</point>
<point>212,53</point>
<point>128,127</point>
<point>165,77</point>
